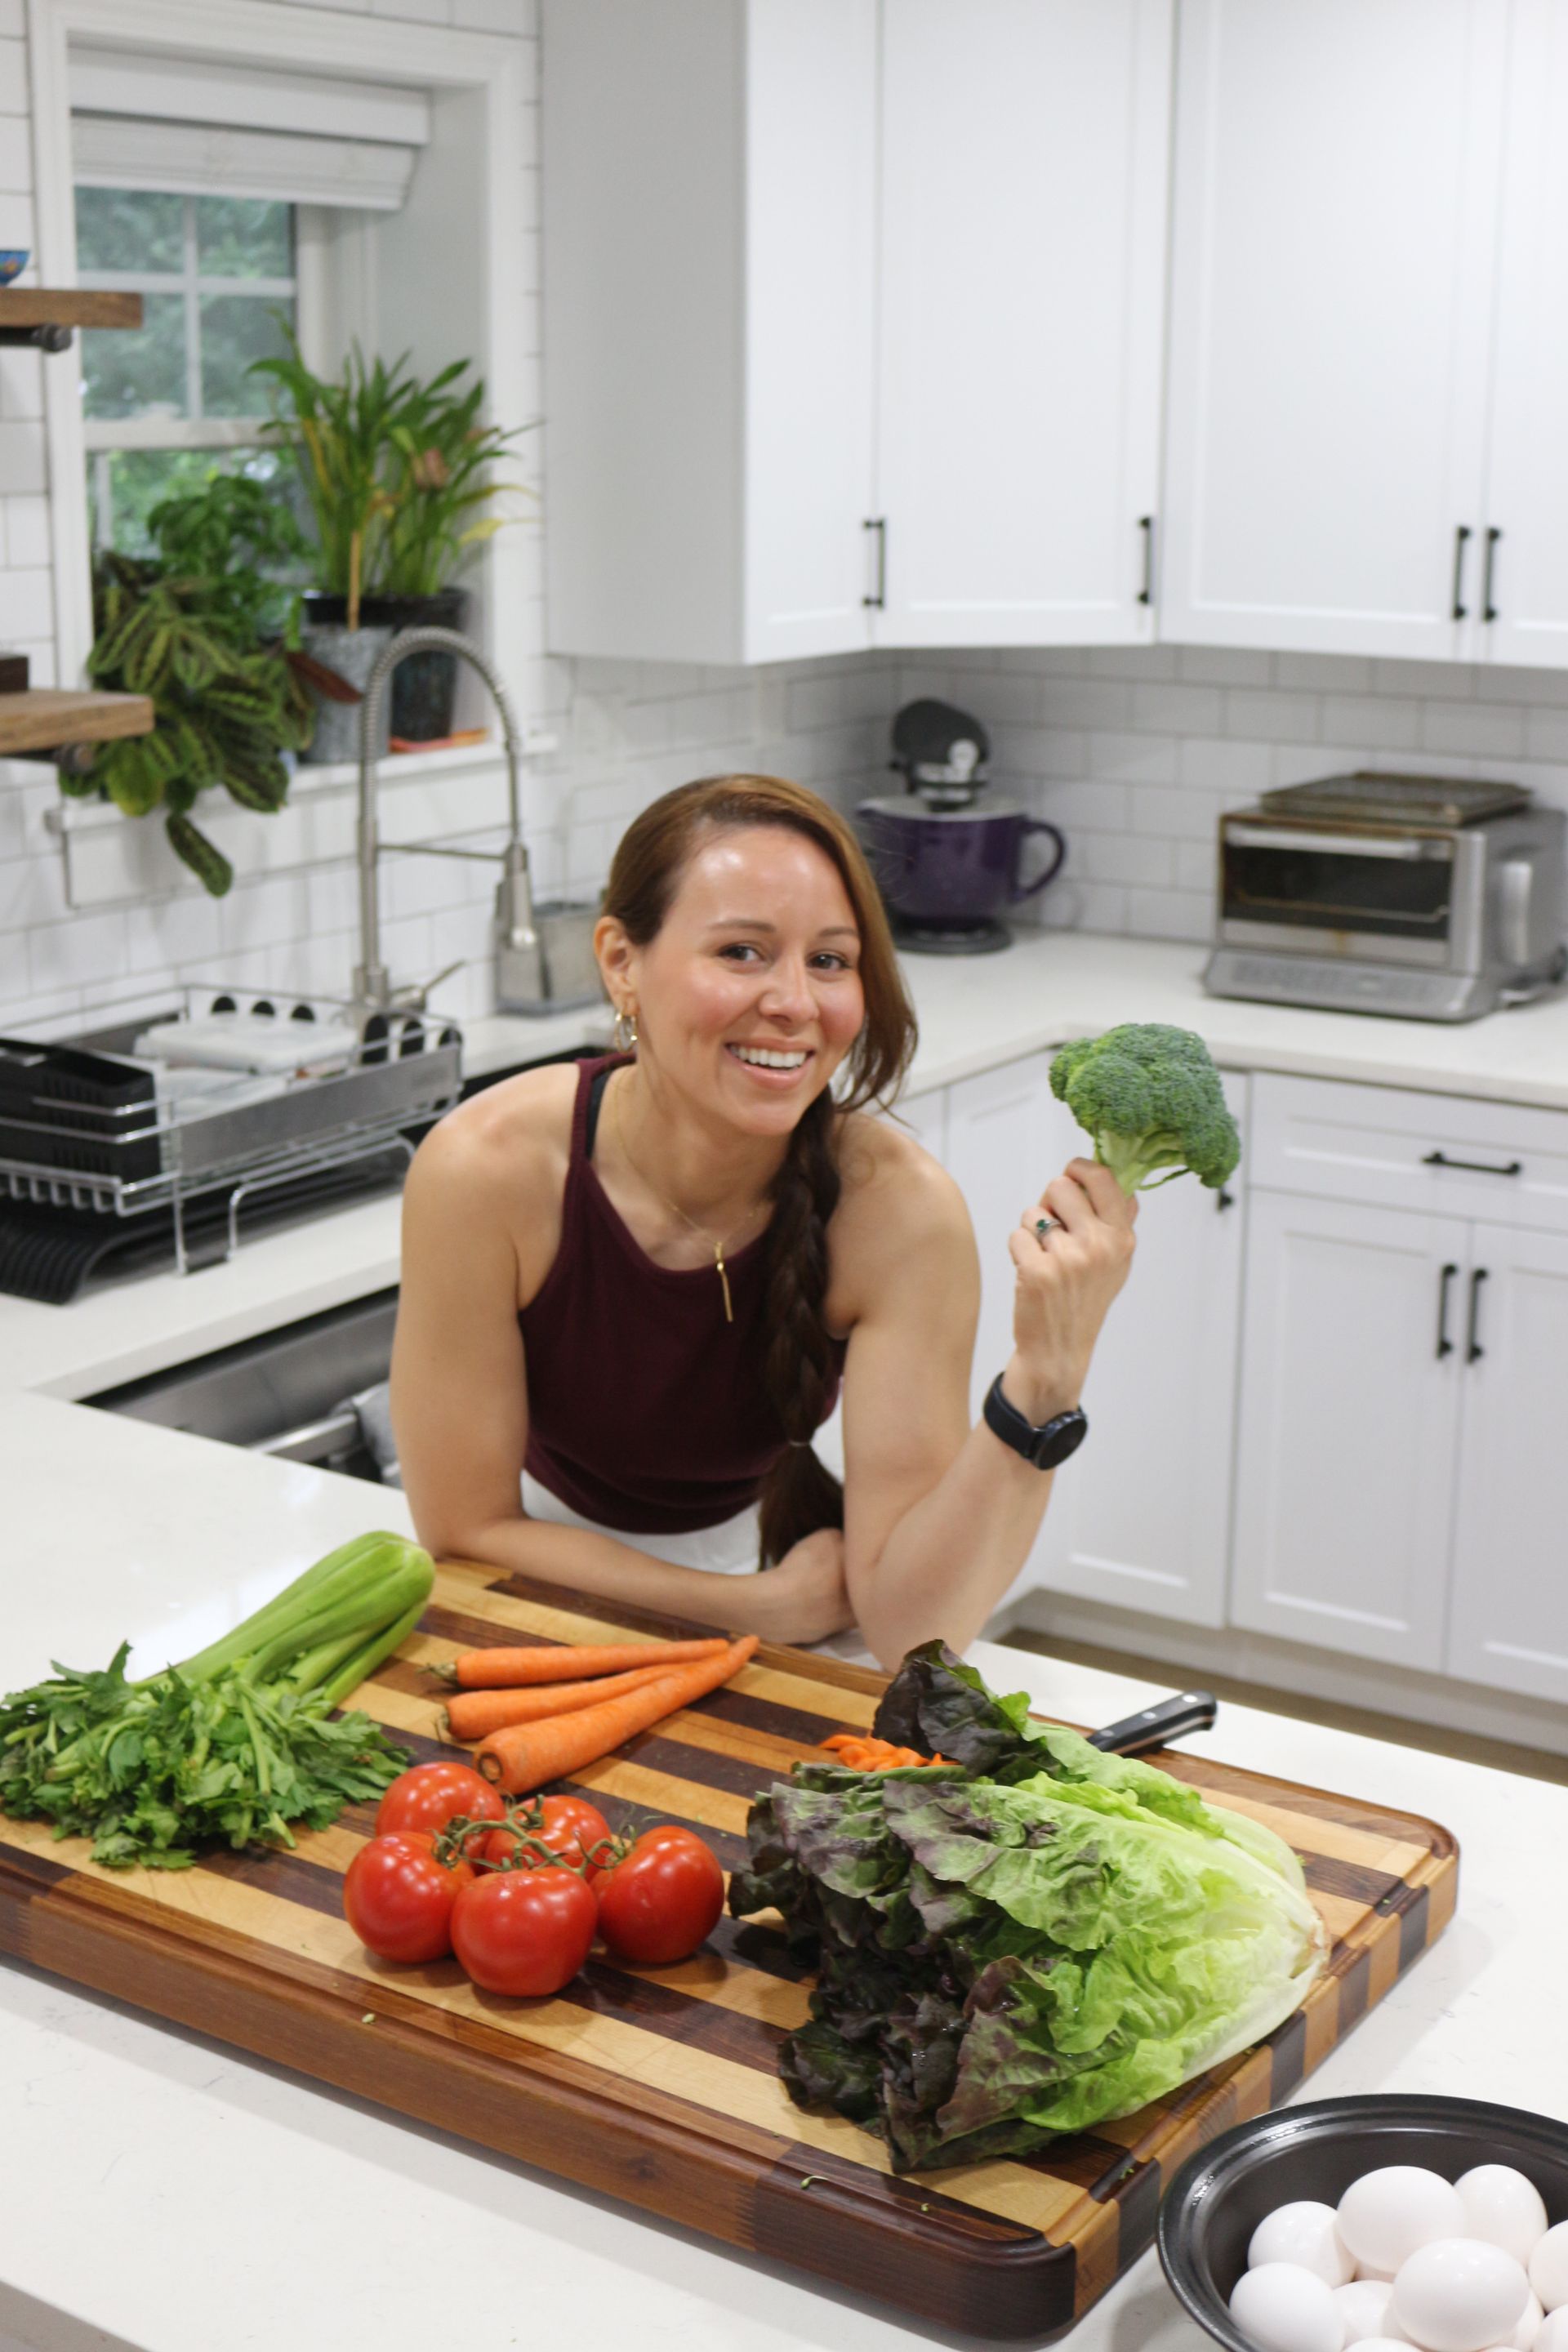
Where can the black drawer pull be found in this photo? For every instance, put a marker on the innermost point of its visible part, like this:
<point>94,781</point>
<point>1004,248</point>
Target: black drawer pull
<point>1461,540</point>
<point>1146,525</point>
<point>1445,1345</point>
<point>1474,1167</point>
<point>1473,1348</point>
<point>1488,610</point>
<point>879,597</point>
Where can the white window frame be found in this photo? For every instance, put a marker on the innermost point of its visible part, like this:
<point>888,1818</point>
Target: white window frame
<point>437,58</point>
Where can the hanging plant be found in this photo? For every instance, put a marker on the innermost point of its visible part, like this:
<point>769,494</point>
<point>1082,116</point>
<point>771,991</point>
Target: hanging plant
<point>204,629</point>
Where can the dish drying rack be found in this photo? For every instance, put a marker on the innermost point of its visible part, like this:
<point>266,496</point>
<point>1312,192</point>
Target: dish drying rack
<point>86,1122</point>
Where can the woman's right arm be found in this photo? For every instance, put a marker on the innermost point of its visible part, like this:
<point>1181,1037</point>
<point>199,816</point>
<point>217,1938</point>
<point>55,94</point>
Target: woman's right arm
<point>460,1406</point>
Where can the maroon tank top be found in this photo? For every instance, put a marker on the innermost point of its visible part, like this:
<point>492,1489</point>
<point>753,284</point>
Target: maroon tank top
<point>646,1409</point>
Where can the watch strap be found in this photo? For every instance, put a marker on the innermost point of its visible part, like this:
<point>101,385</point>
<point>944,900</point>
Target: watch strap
<point>1044,1444</point>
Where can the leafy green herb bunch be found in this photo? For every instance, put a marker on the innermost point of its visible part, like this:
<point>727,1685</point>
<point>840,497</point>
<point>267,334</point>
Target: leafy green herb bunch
<point>204,628</point>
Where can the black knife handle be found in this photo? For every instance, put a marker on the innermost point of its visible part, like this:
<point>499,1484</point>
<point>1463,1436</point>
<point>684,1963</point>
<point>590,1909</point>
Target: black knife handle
<point>1170,1719</point>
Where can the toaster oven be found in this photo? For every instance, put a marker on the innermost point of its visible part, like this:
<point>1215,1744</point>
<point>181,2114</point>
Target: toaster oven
<point>1436,899</point>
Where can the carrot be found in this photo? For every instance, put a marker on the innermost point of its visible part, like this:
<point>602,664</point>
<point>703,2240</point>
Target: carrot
<point>860,1751</point>
<point>510,1669</point>
<point>474,1715</point>
<point>525,1755</point>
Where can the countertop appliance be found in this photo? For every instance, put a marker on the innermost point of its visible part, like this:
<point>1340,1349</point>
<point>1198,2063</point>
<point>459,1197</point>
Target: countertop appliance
<point>948,867</point>
<point>1427,896</point>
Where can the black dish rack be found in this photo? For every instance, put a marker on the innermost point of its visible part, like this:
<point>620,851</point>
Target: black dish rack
<point>83,1126</point>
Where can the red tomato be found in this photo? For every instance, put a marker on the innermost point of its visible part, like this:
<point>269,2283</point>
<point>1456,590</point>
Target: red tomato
<point>659,1903</point>
<point>568,1826</point>
<point>523,1931</point>
<point>430,1795</point>
<point>398,1898</point>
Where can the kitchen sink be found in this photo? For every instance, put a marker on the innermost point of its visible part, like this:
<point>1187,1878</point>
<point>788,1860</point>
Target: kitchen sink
<point>291,1393</point>
<point>313,1392</point>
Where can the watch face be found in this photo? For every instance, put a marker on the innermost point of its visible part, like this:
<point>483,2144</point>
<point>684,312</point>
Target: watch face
<point>1059,1438</point>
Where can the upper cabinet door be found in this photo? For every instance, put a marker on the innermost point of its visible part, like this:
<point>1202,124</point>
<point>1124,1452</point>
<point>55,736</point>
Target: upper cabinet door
<point>1525,618</point>
<point>1025,168</point>
<point>810,307</point>
<point>1334,243</point>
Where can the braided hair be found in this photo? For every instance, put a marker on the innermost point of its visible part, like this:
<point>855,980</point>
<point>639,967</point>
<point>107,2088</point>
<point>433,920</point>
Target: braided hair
<point>799,1495</point>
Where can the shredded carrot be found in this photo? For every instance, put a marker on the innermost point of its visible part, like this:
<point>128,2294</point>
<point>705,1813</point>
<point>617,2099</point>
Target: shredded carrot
<point>858,1751</point>
<point>511,1669</point>
<point>524,1755</point>
<point>474,1715</point>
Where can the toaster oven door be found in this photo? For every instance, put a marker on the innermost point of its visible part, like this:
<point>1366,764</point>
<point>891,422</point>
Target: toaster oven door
<point>1387,898</point>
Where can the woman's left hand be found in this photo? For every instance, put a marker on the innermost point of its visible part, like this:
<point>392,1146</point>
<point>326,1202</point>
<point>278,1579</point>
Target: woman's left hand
<point>1066,1279</point>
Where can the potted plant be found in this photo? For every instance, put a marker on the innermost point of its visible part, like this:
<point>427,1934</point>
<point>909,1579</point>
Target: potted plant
<point>395,470</point>
<point>203,626</point>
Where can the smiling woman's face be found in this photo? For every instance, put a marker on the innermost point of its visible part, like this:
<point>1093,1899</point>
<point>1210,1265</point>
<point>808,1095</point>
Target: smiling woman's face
<point>749,997</point>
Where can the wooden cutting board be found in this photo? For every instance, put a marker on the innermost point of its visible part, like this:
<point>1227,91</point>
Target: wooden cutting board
<point>662,2086</point>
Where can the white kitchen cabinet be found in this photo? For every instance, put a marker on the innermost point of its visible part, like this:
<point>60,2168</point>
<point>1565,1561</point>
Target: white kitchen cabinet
<point>708,171</point>
<point>1350,1390</point>
<point>1334,240</point>
<point>1139,1516</point>
<point>1025,153</point>
<point>853,322</point>
<point>1526,617</point>
<point>1509,1624</point>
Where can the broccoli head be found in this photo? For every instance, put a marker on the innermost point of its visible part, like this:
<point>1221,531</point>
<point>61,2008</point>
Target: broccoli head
<point>1150,1097</point>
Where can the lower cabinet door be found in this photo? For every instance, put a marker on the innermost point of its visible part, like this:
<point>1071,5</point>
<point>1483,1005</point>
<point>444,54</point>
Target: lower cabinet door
<point>1003,1146</point>
<point>1353,1367</point>
<point>1141,1516</point>
<point>1508,1622</point>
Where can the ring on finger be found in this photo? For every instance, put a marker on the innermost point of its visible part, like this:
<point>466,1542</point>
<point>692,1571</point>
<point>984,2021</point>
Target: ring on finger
<point>1047,1225</point>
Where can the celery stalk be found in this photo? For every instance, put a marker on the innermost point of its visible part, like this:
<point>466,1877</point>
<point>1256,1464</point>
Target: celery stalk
<point>362,1664</point>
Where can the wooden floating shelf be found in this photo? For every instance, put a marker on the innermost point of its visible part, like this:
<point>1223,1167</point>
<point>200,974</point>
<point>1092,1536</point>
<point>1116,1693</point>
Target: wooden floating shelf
<point>36,306</point>
<point>47,716</point>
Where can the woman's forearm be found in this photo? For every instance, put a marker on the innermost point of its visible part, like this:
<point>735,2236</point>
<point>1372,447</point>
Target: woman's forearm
<point>949,1559</point>
<point>587,1561</point>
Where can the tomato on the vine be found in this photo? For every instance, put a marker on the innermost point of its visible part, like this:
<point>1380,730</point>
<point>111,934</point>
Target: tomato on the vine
<point>398,1899</point>
<point>523,1931</point>
<point>570,1827</point>
<point>659,1903</point>
<point>430,1795</point>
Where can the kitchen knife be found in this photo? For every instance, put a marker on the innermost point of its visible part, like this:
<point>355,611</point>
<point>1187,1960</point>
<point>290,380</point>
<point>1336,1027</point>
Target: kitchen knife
<point>1155,1727</point>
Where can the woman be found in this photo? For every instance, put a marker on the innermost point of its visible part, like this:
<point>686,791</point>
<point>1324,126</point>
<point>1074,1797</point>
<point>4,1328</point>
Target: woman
<point>635,1286</point>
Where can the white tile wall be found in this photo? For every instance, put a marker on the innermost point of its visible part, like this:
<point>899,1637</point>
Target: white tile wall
<point>1135,754</point>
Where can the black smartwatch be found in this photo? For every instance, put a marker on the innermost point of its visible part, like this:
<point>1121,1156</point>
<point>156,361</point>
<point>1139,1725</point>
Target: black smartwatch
<point>1046,1446</point>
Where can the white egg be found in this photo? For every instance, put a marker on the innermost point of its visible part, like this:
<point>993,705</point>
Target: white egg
<point>1303,2232</point>
<point>1527,2327</point>
<point>1502,2206</point>
<point>1551,2335</point>
<point>1368,2273</point>
<point>1460,2295</point>
<point>1386,2215</point>
<point>1283,2307</point>
<point>1549,2268</point>
<point>1384,2344</point>
<point>1365,2307</point>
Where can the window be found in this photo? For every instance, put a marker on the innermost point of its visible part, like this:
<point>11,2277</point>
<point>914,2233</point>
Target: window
<point>167,404</point>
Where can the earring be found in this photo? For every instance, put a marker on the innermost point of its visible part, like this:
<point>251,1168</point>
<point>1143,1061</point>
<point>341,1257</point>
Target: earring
<point>624,1034</point>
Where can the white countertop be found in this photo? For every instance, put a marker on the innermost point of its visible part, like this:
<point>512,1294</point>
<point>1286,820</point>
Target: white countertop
<point>976,1012</point>
<point>172,2195</point>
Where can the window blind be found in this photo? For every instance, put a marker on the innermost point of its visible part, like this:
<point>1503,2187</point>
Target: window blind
<point>141,120</point>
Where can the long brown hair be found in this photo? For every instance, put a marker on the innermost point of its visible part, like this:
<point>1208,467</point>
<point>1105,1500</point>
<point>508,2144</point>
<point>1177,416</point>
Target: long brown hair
<point>799,1494</point>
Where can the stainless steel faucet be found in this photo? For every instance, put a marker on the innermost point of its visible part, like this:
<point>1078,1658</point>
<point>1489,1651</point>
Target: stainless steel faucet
<point>520,961</point>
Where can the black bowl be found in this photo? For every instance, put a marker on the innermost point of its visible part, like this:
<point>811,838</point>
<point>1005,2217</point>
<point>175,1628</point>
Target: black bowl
<point>1221,2194</point>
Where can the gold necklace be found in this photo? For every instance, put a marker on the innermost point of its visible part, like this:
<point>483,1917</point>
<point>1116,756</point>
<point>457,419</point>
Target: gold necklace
<point>676,1210</point>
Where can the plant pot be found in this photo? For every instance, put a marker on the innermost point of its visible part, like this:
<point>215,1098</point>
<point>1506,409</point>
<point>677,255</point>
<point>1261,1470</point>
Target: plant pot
<point>425,686</point>
<point>353,654</point>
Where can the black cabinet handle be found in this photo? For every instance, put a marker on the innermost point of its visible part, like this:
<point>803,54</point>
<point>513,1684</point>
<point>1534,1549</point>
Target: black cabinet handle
<point>1146,525</point>
<point>1474,1167</point>
<point>879,523</point>
<point>1224,1200</point>
<point>1461,540</point>
<point>1171,1718</point>
<point>1445,1345</point>
<point>1488,610</point>
<point>1473,1348</point>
